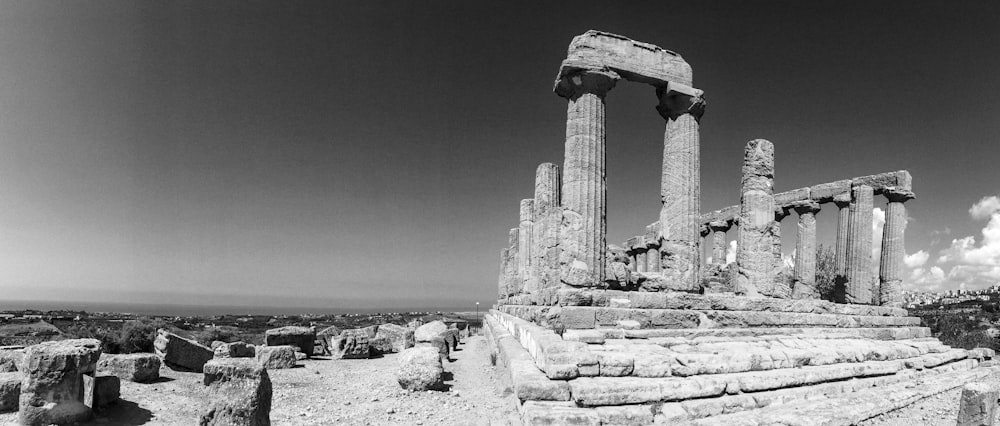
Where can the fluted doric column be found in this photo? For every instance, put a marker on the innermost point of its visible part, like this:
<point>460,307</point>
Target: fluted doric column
<point>780,287</point>
<point>755,255</point>
<point>502,282</point>
<point>804,277</point>
<point>513,273</point>
<point>524,244</point>
<point>641,258</point>
<point>652,249</point>
<point>893,249</point>
<point>843,203</point>
<point>680,185</point>
<point>718,242</point>
<point>545,229</point>
<point>583,188</point>
<point>858,288</point>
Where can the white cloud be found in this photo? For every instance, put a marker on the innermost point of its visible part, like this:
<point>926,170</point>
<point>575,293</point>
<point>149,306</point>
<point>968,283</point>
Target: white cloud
<point>731,252</point>
<point>985,208</point>
<point>917,259</point>
<point>967,251</point>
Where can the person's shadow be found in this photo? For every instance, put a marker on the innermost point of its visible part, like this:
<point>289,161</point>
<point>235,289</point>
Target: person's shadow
<point>121,412</point>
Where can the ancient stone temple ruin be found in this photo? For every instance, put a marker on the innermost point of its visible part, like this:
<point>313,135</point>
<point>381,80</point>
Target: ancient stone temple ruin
<point>645,332</point>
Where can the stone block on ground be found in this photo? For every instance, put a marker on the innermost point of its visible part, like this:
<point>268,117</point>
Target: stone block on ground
<point>452,337</point>
<point>53,383</point>
<point>239,391</point>
<point>440,345</point>
<point>235,350</point>
<point>10,358</point>
<point>275,357</point>
<point>420,369</point>
<point>180,353</point>
<point>349,346</point>
<point>303,337</point>
<point>137,367</point>
<point>428,331</point>
<point>978,405</point>
<point>392,338</point>
<point>10,391</point>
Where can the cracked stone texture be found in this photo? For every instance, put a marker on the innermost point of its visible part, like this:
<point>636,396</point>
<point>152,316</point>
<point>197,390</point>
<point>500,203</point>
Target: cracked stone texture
<point>633,60</point>
<point>680,189</point>
<point>893,249</point>
<point>754,256</point>
<point>545,228</point>
<point>514,277</point>
<point>804,278</point>
<point>584,190</point>
<point>653,248</point>
<point>859,247</point>
<point>53,383</point>
<point>718,242</point>
<point>524,244</point>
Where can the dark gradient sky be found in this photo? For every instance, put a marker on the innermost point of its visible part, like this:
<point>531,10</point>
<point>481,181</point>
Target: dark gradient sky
<point>350,154</point>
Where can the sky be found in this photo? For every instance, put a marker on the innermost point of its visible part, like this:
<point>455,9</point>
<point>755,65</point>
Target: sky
<point>373,154</point>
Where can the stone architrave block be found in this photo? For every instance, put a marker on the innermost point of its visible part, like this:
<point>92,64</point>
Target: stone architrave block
<point>178,352</point>
<point>633,60</point>
<point>137,367</point>
<point>303,337</point>
<point>56,377</point>
<point>824,192</point>
<point>239,391</point>
<point>789,197</point>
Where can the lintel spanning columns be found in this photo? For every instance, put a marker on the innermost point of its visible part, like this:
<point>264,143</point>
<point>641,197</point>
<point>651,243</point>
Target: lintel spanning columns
<point>680,185</point>
<point>893,248</point>
<point>804,277</point>
<point>584,190</point>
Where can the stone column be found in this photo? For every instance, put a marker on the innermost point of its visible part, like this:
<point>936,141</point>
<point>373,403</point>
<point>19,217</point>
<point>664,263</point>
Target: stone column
<point>755,251</point>
<point>583,187</point>
<point>545,229</point>
<point>632,254</point>
<point>858,288</point>
<point>525,245</point>
<point>680,185</point>
<point>641,260</point>
<point>718,242</point>
<point>893,250</point>
<point>504,271</point>
<point>842,201</point>
<point>804,277</point>
<point>652,249</point>
<point>781,284</point>
<point>514,275</point>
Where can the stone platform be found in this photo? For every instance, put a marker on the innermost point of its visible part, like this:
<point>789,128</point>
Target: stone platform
<point>658,358</point>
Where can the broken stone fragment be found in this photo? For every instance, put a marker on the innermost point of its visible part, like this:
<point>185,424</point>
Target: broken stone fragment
<point>137,367</point>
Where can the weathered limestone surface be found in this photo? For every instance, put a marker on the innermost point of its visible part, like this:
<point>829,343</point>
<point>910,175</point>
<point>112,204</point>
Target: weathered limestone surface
<point>10,358</point>
<point>275,357</point>
<point>525,245</point>
<point>680,185</point>
<point>804,280</point>
<point>893,249</point>
<point>504,271</point>
<point>843,203</point>
<point>584,226</point>
<point>633,60</point>
<point>392,338</point>
<point>718,229</point>
<point>978,405</point>
<point>653,248</point>
<point>240,393</point>
<point>178,352</point>
<point>10,391</point>
<point>514,274</point>
<point>859,247</point>
<point>235,350</point>
<point>53,383</point>
<point>138,367</point>
<point>420,369</point>
<point>754,256</point>
<point>302,337</point>
<point>106,391</point>
<point>545,230</point>
<point>350,346</point>
<point>428,331</point>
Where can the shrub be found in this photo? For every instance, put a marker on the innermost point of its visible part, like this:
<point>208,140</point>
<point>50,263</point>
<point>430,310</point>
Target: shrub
<point>211,334</point>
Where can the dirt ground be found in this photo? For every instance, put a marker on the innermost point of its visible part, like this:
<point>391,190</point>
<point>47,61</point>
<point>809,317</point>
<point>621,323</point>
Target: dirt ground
<point>940,409</point>
<point>332,392</point>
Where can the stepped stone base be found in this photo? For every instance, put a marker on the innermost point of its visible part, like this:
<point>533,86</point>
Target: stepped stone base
<point>623,373</point>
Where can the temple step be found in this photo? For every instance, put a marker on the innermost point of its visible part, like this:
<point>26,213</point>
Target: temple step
<point>836,408</point>
<point>702,335</point>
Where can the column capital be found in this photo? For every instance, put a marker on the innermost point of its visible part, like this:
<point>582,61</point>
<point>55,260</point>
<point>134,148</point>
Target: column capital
<point>896,195</point>
<point>719,225</point>
<point>678,99</point>
<point>842,200</point>
<point>805,206</point>
<point>781,212</point>
<point>704,229</point>
<point>576,84</point>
